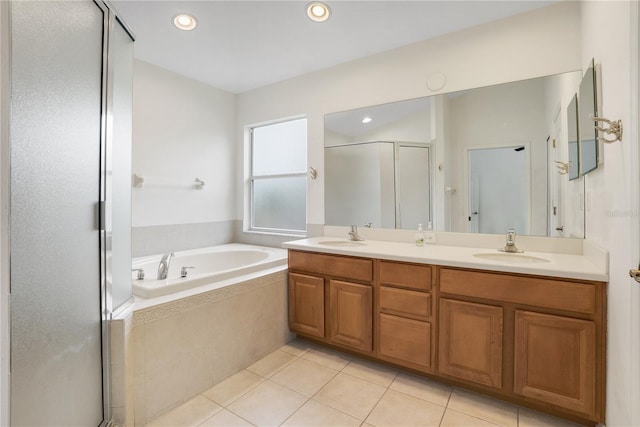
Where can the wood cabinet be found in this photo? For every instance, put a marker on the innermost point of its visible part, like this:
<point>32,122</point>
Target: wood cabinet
<point>470,346</point>
<point>555,360</point>
<point>306,304</point>
<point>531,340</point>
<point>331,299</point>
<point>404,314</point>
<point>351,314</point>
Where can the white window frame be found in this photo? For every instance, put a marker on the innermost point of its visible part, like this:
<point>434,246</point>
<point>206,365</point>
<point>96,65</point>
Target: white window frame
<point>251,179</point>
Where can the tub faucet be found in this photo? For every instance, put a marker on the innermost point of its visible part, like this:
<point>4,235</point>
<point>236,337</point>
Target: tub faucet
<point>353,234</point>
<point>163,268</point>
<point>511,243</point>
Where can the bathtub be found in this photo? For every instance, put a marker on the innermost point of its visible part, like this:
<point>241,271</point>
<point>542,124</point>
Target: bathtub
<point>210,265</point>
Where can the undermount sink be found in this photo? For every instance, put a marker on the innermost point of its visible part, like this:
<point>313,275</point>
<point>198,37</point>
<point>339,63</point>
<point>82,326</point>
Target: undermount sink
<point>348,243</point>
<point>510,258</point>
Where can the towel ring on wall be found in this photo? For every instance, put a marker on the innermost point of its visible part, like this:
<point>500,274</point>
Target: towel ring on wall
<point>614,128</point>
<point>563,168</point>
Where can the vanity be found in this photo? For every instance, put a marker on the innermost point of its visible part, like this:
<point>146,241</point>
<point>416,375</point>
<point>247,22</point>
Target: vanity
<point>526,328</point>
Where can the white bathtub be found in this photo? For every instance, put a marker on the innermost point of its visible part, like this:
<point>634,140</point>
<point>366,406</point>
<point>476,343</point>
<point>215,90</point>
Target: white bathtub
<point>213,264</point>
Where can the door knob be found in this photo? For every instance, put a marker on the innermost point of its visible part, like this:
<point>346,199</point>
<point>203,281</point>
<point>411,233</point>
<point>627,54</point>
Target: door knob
<point>635,274</point>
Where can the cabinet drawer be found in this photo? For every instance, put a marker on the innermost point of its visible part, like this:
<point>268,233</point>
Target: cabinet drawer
<point>332,265</point>
<point>540,292</point>
<point>412,276</point>
<point>406,303</point>
<point>405,341</point>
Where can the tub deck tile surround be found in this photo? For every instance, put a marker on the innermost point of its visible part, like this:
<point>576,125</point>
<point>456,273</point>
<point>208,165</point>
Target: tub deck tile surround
<point>182,348</point>
<point>161,311</point>
<point>405,400</point>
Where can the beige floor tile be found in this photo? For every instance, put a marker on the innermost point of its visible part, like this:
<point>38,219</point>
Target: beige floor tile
<point>317,414</point>
<point>485,408</point>
<point>233,387</point>
<point>191,413</point>
<point>296,347</point>
<point>272,363</point>
<point>371,371</point>
<point>268,404</point>
<point>304,376</point>
<point>458,419</point>
<point>327,357</point>
<point>422,388</point>
<point>225,418</point>
<point>398,409</point>
<point>350,395</point>
<point>529,418</point>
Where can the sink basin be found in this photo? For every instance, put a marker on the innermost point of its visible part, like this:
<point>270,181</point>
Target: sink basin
<point>343,243</point>
<point>510,258</point>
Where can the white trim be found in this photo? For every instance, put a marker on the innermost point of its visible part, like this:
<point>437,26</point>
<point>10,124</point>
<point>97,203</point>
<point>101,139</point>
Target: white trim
<point>633,139</point>
<point>5,333</point>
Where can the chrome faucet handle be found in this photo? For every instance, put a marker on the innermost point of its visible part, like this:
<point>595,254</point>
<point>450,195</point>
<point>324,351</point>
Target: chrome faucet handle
<point>511,236</point>
<point>510,246</point>
<point>353,234</point>
<point>183,271</point>
<point>140,275</point>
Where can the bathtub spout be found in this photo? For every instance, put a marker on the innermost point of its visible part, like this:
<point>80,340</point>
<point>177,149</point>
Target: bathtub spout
<point>163,268</point>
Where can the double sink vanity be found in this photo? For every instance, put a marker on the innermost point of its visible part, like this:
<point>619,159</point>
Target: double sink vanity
<point>527,328</point>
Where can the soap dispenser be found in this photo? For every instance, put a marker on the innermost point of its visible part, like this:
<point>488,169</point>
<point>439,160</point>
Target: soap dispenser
<point>430,235</point>
<point>420,236</point>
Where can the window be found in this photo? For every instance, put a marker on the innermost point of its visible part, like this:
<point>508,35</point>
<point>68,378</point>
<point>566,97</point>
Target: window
<point>279,177</point>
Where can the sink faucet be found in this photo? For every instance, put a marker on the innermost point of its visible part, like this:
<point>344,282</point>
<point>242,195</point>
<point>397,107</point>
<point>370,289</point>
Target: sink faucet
<point>511,243</point>
<point>163,268</point>
<point>353,234</point>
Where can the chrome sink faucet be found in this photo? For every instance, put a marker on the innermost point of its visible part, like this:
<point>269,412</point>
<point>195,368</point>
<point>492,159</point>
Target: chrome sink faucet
<point>163,268</point>
<point>353,234</point>
<point>511,243</point>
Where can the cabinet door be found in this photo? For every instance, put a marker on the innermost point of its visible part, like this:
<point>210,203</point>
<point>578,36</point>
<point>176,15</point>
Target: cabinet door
<point>351,319</point>
<point>555,360</point>
<point>471,342</point>
<point>306,304</point>
<point>405,341</point>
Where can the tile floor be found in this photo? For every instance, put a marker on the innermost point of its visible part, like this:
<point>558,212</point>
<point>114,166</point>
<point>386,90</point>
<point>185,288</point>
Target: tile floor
<point>302,384</point>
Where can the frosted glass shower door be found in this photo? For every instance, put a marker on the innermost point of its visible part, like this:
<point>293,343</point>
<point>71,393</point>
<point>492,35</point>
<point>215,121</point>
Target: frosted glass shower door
<point>56,107</point>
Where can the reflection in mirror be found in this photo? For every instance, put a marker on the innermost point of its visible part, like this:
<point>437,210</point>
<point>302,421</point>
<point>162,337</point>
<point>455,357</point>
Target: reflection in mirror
<point>463,133</point>
<point>494,173</point>
<point>572,132</point>
<point>386,184</point>
<point>588,134</point>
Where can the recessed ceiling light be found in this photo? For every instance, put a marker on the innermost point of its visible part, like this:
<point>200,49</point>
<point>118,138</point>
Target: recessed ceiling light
<point>318,11</point>
<point>185,22</point>
<point>367,120</point>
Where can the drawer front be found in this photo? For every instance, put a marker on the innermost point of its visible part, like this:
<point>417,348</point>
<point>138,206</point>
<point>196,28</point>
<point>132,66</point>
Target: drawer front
<point>405,341</point>
<point>412,276</point>
<point>548,293</point>
<point>332,265</point>
<point>402,302</point>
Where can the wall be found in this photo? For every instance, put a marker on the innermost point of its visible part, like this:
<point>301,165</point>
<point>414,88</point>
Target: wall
<point>612,197</point>
<point>182,130</point>
<point>470,58</point>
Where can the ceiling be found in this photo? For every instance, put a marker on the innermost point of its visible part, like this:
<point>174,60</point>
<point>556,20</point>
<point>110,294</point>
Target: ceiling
<point>242,45</point>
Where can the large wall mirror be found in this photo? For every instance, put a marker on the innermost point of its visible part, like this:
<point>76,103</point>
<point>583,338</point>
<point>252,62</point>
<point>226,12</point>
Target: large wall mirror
<point>480,160</point>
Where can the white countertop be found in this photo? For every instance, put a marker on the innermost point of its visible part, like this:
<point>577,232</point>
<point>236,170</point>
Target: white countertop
<point>591,264</point>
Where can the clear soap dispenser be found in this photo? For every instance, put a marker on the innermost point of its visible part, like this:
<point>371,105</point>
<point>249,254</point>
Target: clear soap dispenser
<point>420,236</point>
<point>430,235</point>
